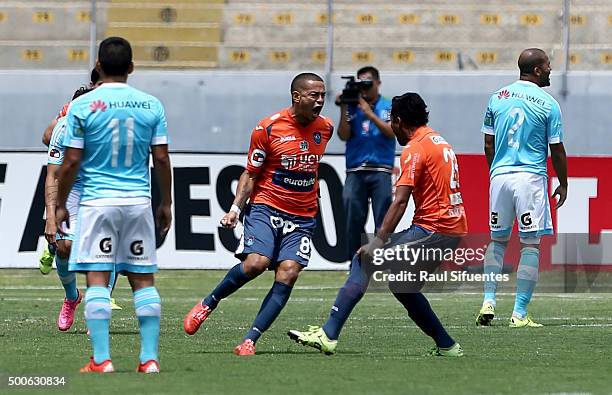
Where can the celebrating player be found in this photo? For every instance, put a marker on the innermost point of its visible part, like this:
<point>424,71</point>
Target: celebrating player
<point>109,134</point>
<point>281,182</point>
<point>430,173</point>
<point>520,123</point>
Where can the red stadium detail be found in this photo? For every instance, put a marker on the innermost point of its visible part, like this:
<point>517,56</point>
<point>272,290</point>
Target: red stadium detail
<point>584,218</point>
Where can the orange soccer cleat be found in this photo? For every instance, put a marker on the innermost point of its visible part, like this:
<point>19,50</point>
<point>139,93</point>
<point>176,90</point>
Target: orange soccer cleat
<point>196,316</point>
<point>93,367</point>
<point>151,366</point>
<point>246,348</point>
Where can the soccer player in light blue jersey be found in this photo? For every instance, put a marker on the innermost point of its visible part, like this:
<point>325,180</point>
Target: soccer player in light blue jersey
<point>520,123</point>
<point>110,133</point>
<point>63,242</point>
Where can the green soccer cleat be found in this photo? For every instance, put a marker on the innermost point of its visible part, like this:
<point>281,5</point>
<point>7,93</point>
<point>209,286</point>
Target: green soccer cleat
<point>46,261</point>
<point>486,315</point>
<point>314,337</point>
<point>115,306</point>
<point>454,351</point>
<point>527,322</point>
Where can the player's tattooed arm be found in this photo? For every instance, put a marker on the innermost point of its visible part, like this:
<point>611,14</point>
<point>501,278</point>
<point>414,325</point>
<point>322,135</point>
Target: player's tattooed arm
<point>50,198</point>
<point>65,179</point>
<point>243,193</point>
<point>559,162</point>
<point>489,148</point>
<point>163,169</point>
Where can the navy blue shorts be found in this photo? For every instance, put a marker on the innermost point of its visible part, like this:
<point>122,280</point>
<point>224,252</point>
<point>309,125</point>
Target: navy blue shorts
<point>276,235</point>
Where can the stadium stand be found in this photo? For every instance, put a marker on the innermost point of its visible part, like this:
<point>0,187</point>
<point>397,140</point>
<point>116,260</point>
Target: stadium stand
<point>56,34</point>
<point>186,33</point>
<point>291,34</point>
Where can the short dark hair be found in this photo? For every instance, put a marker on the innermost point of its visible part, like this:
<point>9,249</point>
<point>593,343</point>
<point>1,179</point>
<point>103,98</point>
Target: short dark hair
<point>369,69</point>
<point>115,56</point>
<point>298,80</point>
<point>411,109</point>
<point>81,91</point>
<point>94,77</point>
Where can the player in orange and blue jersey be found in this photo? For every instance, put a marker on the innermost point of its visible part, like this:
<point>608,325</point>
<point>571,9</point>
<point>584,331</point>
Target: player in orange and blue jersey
<point>280,182</point>
<point>430,174</point>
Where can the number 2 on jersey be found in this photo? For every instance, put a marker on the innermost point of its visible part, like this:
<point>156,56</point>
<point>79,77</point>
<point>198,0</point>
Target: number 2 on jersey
<point>520,118</point>
<point>449,156</point>
<point>115,126</point>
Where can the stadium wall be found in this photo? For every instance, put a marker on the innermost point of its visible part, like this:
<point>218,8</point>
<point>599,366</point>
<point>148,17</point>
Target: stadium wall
<point>204,186</point>
<point>215,111</point>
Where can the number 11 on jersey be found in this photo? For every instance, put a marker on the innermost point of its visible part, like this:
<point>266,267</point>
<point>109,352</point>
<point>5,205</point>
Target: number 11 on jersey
<point>115,126</point>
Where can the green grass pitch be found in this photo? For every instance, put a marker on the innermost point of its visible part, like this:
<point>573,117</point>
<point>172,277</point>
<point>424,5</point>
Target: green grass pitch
<point>380,351</point>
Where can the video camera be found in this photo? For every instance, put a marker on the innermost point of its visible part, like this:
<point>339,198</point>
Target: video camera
<point>352,89</point>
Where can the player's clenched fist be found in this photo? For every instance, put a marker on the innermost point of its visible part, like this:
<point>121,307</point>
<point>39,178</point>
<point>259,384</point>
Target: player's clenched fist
<point>230,220</point>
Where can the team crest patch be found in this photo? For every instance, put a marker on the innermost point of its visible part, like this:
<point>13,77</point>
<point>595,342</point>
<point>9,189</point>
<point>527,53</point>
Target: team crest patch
<point>54,153</point>
<point>257,157</point>
<point>249,241</point>
<point>317,137</point>
<point>303,145</point>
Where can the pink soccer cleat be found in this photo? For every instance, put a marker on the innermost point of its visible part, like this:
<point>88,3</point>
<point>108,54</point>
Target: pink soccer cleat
<point>66,315</point>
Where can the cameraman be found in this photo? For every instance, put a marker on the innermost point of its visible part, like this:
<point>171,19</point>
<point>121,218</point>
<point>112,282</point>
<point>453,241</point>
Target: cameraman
<point>370,156</point>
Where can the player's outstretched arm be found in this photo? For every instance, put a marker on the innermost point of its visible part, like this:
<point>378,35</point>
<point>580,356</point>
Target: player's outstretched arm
<point>65,179</point>
<point>559,162</point>
<point>163,169</point>
<point>392,218</point>
<point>50,198</point>
<point>489,148</point>
<point>243,193</point>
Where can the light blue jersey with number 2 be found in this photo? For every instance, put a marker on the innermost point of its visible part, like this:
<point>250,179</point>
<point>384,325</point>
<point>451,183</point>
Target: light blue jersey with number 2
<point>524,120</point>
<point>115,125</point>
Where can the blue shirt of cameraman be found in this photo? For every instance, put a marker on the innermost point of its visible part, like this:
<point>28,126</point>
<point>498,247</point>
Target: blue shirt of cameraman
<point>368,148</point>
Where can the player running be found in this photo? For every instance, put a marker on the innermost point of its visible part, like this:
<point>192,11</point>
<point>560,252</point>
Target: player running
<point>431,175</point>
<point>109,134</point>
<point>521,122</point>
<point>281,182</point>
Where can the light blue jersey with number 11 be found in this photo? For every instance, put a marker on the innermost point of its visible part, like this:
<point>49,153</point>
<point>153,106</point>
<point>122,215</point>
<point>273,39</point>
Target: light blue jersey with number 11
<point>115,125</point>
<point>524,120</point>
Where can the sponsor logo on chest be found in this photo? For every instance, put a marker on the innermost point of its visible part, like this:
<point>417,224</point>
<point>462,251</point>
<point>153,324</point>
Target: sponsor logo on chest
<point>284,139</point>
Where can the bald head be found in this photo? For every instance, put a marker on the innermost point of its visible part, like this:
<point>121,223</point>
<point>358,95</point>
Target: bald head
<point>530,59</point>
<point>534,66</point>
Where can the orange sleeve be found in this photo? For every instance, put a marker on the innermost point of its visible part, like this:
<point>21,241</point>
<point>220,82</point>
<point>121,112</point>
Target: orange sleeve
<point>63,111</point>
<point>258,150</point>
<point>412,163</point>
